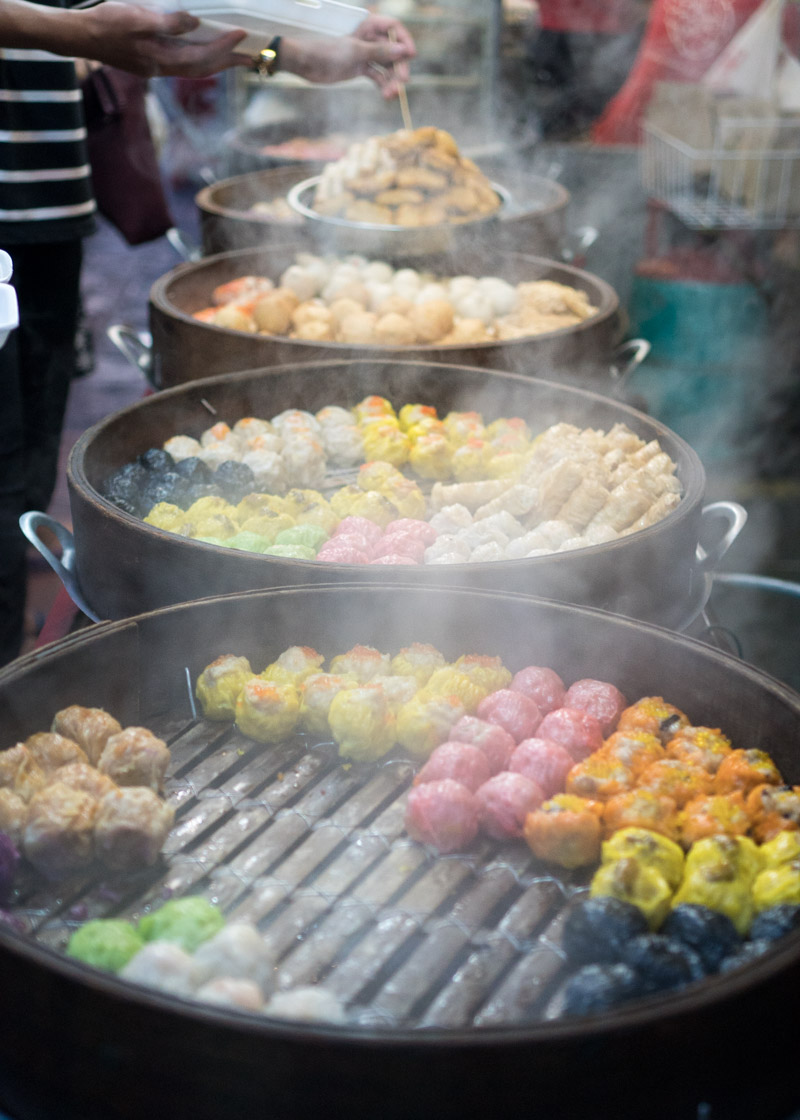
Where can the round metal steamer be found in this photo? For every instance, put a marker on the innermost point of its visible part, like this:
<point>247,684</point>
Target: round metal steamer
<point>125,566</point>
<point>131,1053</point>
<point>185,349</point>
<point>533,218</point>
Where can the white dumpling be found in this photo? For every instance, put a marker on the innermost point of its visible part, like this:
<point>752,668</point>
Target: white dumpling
<point>474,305</point>
<point>333,415</point>
<point>449,545</point>
<point>431,291</point>
<point>487,553</point>
<point>406,278</point>
<point>227,991</point>
<point>308,1004</point>
<point>502,295</point>
<point>162,965</point>
<point>301,281</point>
<point>221,452</point>
<point>378,293</point>
<point>450,519</point>
<point>237,951</point>
<point>294,420</point>
<point>304,462</point>
<point>182,447</point>
<point>267,468</point>
<point>343,444</point>
<point>462,286</point>
<point>377,272</point>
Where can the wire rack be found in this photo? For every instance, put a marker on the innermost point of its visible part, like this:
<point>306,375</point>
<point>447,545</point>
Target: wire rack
<point>749,179</point>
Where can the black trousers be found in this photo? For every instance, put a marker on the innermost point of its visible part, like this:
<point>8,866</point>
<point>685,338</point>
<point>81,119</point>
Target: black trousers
<point>37,365</point>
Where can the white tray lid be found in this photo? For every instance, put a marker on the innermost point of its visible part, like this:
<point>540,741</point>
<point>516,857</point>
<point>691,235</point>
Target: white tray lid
<point>271,17</point>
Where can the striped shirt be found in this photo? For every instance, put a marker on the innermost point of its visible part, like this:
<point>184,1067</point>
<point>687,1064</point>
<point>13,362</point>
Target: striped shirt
<point>45,178</point>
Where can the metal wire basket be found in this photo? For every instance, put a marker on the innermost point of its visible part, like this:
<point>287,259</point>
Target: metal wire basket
<point>749,179</point>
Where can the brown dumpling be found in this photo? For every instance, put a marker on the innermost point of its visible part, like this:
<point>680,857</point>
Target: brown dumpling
<point>88,727</point>
<point>20,772</point>
<point>13,814</point>
<point>131,827</point>
<point>52,750</point>
<point>59,833</point>
<point>135,757</point>
<point>78,775</point>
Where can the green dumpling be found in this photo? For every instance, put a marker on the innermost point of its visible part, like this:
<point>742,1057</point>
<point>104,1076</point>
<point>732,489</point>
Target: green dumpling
<point>105,943</point>
<point>187,922</point>
<point>291,551</point>
<point>311,536</point>
<point>247,542</point>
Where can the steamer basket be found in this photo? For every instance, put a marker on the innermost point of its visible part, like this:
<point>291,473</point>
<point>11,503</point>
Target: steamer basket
<point>466,945</point>
<point>125,566</point>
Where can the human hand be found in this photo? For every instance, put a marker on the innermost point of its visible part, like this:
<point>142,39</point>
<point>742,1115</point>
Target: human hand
<point>145,42</point>
<point>379,49</point>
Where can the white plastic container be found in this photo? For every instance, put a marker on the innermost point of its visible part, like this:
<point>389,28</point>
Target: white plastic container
<point>266,18</point>
<point>9,310</point>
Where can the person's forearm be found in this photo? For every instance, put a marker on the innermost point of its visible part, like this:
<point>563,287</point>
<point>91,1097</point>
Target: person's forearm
<point>24,25</point>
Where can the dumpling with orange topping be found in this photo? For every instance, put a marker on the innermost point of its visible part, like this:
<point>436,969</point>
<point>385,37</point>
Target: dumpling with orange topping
<point>361,662</point>
<point>425,721</point>
<point>316,696</point>
<point>266,711</point>
<point>362,722</point>
<point>418,660</point>
<point>293,665</point>
<point>219,685</point>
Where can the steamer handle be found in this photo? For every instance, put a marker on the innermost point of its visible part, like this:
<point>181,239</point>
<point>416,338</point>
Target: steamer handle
<point>625,360</point>
<point>735,516</point>
<point>136,346</point>
<point>30,523</point>
<point>577,242</point>
<point>183,245</point>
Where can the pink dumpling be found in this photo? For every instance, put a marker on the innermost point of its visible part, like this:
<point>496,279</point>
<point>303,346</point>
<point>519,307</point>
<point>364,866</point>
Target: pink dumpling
<point>443,814</point>
<point>394,558</point>
<point>351,539</point>
<point>462,762</point>
<point>343,554</point>
<point>518,714</point>
<point>543,761</point>
<point>491,738</point>
<point>542,685</point>
<point>411,526</point>
<point>399,545</point>
<point>505,801</point>
<point>369,529</point>
<point>602,700</point>
<point>578,732</point>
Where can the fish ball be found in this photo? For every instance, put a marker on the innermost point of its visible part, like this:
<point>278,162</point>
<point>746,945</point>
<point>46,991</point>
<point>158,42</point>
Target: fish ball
<point>462,286</point>
<point>358,328</point>
<point>273,312</point>
<point>234,319</point>
<point>341,308</point>
<point>395,330</point>
<point>502,294</point>
<point>432,320</point>
<point>395,304</point>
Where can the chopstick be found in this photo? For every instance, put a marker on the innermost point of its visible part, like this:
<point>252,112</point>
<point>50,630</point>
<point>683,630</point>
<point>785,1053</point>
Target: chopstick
<point>401,89</point>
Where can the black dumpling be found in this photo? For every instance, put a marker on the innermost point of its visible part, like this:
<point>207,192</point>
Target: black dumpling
<point>663,963</point>
<point>746,954</point>
<point>156,459</point>
<point>194,470</point>
<point>234,479</point>
<point>600,987</point>
<point>712,935</point>
<point>596,929</point>
<point>776,922</point>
